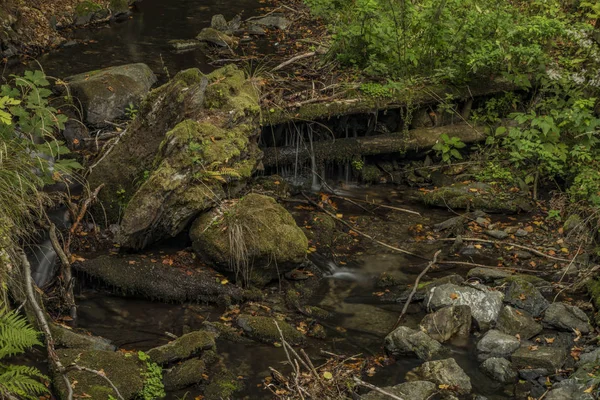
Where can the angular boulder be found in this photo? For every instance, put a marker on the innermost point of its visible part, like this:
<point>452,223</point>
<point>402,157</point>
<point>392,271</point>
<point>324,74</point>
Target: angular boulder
<point>535,357</point>
<point>485,304</point>
<point>496,344</point>
<point>449,322</point>
<point>407,341</point>
<point>567,318</point>
<point>105,94</point>
<point>499,369</point>
<point>514,322</point>
<point>445,372</point>
<point>192,145</point>
<point>254,236</point>
<point>185,374</point>
<point>525,296</point>
<point>415,390</point>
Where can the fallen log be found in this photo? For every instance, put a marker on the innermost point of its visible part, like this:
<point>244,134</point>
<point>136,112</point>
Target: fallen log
<point>346,149</point>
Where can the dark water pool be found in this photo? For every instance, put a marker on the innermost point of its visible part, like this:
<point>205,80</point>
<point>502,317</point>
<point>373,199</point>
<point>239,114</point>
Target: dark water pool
<point>144,37</point>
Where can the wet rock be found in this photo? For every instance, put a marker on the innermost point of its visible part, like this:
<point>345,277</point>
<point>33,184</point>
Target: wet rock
<point>591,357</point>
<point>521,233</point>
<point>477,196</point>
<point>483,222</point>
<point>424,287</point>
<point>265,330</point>
<point>275,20</point>
<point>514,322</point>
<point>573,221</point>
<point>405,341</point>
<point>449,322</point>
<point>415,390</point>
<point>469,250</point>
<point>75,133</point>
<point>533,374</point>
<point>213,36</point>
<point>496,344</point>
<point>257,30</point>
<point>496,234</point>
<point>485,304</point>
<point>183,347</point>
<point>219,22</point>
<point>499,369</point>
<point>185,374</point>
<point>150,278</point>
<point>566,317</point>
<point>567,390</point>
<point>68,338</point>
<point>215,117</point>
<point>445,372</point>
<point>487,275</point>
<point>105,94</point>
<point>540,284</point>
<point>525,296</point>
<point>267,236</point>
<point>522,255</point>
<point>532,357</point>
<point>124,373</point>
<point>182,45</point>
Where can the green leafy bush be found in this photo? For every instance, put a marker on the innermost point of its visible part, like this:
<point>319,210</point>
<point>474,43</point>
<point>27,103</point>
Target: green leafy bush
<point>447,148</point>
<point>153,384</point>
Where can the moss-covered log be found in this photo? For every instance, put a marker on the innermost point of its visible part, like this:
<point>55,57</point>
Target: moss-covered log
<point>360,103</point>
<point>347,149</point>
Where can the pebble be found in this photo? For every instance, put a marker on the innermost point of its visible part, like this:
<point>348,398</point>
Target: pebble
<point>521,233</point>
<point>500,235</point>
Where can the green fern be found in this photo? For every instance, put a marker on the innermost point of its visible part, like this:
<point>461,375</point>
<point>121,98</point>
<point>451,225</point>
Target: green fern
<point>17,336</point>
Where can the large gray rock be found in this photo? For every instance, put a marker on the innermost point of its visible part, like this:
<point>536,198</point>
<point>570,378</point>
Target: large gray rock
<point>415,390</point>
<point>485,303</point>
<point>406,341</point>
<point>496,344</point>
<point>276,20</point>
<point>525,296</point>
<point>533,357</point>
<point>567,318</point>
<point>592,357</point>
<point>569,389</point>
<point>105,94</point>
<point>499,369</point>
<point>514,322</point>
<point>445,372</point>
<point>449,322</point>
<point>268,235</point>
<point>218,38</point>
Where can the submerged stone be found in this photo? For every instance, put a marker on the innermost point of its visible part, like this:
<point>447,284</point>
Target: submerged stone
<point>407,341</point>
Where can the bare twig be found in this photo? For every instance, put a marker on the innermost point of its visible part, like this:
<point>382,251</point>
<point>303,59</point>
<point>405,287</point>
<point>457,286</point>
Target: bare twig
<point>66,272</point>
<point>81,214</point>
<point>99,373</point>
<point>530,249</point>
<point>294,59</point>
<point>379,205</point>
<point>375,388</point>
<point>359,232</point>
<point>415,286</point>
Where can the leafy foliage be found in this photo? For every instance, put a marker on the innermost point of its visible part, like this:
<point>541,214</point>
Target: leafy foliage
<point>447,148</point>
<point>153,385</point>
<point>17,336</point>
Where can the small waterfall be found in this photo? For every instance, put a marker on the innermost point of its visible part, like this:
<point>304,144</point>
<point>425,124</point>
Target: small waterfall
<point>43,261</point>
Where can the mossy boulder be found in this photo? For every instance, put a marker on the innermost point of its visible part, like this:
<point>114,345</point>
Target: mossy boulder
<point>478,196</point>
<point>105,94</point>
<point>254,231</point>
<point>213,36</point>
<point>264,329</point>
<point>122,369</point>
<point>192,144</point>
<point>183,348</point>
<point>64,337</point>
<point>185,374</point>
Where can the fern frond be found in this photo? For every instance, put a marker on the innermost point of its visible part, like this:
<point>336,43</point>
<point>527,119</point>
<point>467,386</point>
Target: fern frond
<point>16,335</point>
<point>19,380</point>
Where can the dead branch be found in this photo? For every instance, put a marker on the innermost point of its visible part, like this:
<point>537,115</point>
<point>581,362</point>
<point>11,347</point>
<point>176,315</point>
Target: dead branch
<point>380,205</point>
<point>99,373</point>
<point>65,269</point>
<point>81,214</point>
<point>415,286</point>
<point>293,60</point>
<point>470,264</point>
<point>359,232</point>
<point>375,388</point>
<point>530,249</point>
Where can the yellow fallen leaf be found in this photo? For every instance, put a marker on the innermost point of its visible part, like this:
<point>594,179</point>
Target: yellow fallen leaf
<point>327,375</point>
<point>453,296</point>
<point>224,282</point>
<point>549,340</point>
<point>339,215</point>
<point>589,390</point>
